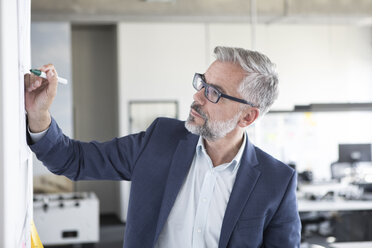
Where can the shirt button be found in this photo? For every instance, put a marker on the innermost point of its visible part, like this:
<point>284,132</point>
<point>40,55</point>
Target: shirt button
<point>199,230</point>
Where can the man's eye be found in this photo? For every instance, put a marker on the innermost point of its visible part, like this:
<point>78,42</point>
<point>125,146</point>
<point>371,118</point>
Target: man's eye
<point>214,92</point>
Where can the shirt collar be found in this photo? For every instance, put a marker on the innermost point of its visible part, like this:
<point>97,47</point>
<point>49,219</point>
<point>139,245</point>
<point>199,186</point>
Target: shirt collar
<point>233,165</point>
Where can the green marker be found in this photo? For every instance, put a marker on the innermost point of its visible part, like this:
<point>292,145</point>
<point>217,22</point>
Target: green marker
<point>43,75</point>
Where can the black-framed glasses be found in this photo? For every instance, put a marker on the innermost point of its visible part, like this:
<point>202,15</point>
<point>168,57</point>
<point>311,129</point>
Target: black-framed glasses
<point>211,93</point>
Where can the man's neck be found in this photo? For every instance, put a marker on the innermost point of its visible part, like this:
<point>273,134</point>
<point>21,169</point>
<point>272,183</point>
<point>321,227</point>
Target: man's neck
<point>225,149</point>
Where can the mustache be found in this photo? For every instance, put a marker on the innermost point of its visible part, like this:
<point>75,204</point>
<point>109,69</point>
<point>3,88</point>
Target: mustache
<point>197,108</point>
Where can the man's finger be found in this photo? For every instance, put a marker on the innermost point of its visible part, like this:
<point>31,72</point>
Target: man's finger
<point>28,82</point>
<point>32,82</point>
<point>47,67</point>
<point>27,79</point>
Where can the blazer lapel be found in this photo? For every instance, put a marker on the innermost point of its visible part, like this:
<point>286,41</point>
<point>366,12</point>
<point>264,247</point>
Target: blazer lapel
<point>179,168</point>
<point>245,182</point>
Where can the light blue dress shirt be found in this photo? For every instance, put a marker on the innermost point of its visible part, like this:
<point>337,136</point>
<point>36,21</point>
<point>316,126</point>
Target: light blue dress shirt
<point>195,220</point>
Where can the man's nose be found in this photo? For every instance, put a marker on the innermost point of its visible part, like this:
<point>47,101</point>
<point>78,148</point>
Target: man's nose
<point>199,97</point>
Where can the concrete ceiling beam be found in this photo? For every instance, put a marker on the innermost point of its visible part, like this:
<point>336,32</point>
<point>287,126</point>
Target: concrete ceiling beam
<point>268,11</point>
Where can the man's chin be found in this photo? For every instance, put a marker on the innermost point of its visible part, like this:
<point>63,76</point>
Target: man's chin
<point>191,126</point>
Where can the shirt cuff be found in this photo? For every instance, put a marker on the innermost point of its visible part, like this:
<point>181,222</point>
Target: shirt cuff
<point>35,137</point>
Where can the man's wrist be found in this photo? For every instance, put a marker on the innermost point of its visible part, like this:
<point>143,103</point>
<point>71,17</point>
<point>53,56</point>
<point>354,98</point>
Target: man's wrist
<point>35,137</point>
<point>39,122</point>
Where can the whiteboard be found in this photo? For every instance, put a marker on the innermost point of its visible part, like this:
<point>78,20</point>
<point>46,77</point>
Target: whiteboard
<point>15,160</point>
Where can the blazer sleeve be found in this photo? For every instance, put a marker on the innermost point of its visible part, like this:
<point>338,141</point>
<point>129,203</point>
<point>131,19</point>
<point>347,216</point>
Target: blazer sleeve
<point>284,229</point>
<point>112,160</point>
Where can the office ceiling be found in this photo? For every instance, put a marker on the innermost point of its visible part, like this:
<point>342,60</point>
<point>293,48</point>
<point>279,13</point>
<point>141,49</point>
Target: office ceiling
<point>357,12</point>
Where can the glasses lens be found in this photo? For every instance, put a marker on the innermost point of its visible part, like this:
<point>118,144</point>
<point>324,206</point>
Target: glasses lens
<point>212,94</point>
<point>198,82</point>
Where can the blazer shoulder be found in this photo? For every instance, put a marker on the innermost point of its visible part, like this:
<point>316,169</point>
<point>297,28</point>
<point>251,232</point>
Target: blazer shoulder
<point>169,127</point>
<point>170,121</point>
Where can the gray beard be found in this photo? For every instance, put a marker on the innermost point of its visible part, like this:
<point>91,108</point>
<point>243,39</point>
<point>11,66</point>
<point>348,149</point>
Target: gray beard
<point>210,130</point>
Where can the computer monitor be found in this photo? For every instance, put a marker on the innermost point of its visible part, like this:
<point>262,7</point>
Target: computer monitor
<point>351,153</point>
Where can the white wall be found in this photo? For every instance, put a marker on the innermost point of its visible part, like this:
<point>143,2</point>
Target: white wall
<point>315,63</point>
<point>15,168</point>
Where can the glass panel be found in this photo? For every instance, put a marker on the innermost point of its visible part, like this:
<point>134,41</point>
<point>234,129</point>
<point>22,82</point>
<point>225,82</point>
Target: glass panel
<point>310,139</point>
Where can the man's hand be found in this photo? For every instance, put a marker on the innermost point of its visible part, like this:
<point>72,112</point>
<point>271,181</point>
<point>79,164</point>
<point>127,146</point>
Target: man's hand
<point>39,95</point>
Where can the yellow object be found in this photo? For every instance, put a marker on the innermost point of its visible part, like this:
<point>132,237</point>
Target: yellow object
<point>35,240</point>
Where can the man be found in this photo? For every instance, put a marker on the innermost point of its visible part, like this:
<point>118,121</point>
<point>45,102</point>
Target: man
<point>195,184</point>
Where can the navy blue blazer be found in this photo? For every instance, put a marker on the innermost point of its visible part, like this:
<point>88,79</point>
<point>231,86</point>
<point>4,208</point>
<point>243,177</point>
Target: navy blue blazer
<point>262,209</point>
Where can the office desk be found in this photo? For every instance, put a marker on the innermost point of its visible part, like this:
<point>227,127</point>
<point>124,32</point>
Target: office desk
<point>346,220</point>
<point>333,205</point>
<point>367,244</point>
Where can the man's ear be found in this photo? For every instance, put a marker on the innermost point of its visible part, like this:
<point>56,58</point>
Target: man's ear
<point>249,116</point>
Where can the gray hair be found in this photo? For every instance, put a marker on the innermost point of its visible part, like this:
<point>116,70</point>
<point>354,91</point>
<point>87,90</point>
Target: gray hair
<point>260,86</point>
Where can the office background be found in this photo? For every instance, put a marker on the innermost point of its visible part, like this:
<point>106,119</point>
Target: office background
<point>115,52</point>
